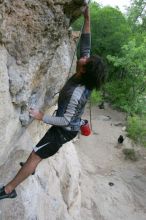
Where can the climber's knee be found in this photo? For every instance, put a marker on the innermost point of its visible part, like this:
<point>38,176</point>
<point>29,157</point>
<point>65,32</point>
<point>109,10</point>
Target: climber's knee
<point>34,158</point>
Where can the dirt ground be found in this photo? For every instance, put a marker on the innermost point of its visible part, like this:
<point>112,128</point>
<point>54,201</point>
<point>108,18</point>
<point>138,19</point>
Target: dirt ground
<point>112,188</point>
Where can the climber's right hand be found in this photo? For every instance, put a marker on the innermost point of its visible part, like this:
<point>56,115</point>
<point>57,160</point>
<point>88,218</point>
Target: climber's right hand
<point>36,114</point>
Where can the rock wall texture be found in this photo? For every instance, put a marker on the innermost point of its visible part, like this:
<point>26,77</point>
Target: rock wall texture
<point>36,50</point>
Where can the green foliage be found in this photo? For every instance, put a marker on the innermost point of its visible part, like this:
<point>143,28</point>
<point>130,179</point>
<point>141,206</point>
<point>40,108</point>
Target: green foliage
<point>136,128</point>
<point>110,31</point>
<point>118,94</point>
<point>136,15</point>
<point>128,88</point>
<point>96,97</point>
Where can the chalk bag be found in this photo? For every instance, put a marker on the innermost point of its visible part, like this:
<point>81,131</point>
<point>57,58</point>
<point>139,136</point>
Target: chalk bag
<point>85,128</point>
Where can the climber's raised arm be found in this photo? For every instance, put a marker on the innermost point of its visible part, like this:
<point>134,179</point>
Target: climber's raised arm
<point>86,14</point>
<point>85,42</point>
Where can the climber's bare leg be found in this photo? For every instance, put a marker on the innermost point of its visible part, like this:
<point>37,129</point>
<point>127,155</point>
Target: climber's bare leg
<point>27,169</point>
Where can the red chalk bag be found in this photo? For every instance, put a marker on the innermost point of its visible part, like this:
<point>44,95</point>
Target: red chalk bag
<point>85,128</point>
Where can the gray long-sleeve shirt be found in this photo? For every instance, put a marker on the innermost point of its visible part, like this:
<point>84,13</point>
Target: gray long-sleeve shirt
<point>73,97</point>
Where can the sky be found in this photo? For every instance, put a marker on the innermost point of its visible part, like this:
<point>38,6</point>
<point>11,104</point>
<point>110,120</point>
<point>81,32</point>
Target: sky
<point>114,3</point>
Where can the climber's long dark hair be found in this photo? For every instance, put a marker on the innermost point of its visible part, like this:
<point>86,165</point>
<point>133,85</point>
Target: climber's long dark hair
<point>95,73</point>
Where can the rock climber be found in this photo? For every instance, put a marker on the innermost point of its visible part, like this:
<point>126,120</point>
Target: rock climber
<point>90,74</point>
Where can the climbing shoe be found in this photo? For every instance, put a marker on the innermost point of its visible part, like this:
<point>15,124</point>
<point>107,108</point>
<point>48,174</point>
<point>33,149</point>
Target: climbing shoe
<point>4,195</point>
<point>22,163</point>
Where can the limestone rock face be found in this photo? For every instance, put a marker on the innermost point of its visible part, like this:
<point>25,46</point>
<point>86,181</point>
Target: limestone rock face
<point>52,193</point>
<point>36,51</point>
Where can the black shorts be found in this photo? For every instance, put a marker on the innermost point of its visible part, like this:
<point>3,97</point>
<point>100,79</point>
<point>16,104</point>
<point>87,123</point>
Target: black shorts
<point>52,141</point>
